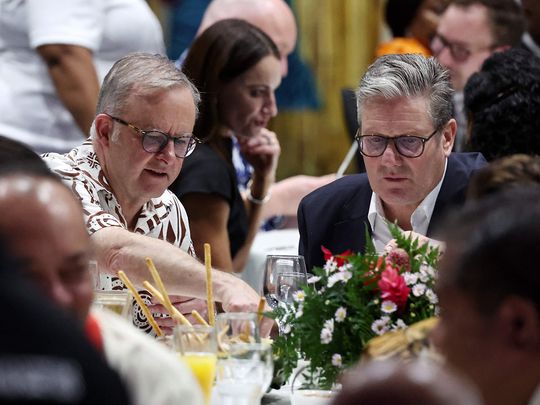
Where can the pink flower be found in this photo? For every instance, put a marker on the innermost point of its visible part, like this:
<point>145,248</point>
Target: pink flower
<point>393,287</point>
<point>340,258</point>
<point>399,258</point>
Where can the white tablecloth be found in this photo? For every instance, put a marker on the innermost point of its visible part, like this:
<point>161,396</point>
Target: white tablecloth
<point>277,242</point>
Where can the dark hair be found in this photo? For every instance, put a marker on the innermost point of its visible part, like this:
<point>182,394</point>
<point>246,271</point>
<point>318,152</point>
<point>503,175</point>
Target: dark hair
<point>400,13</point>
<point>16,157</point>
<point>505,18</point>
<point>221,53</point>
<point>503,103</point>
<point>492,248</point>
<point>504,174</point>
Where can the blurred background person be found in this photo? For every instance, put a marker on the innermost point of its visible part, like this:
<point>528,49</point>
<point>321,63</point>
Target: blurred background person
<point>488,292</point>
<point>237,68</point>
<point>275,18</point>
<point>413,24</point>
<point>469,31</point>
<point>394,382</point>
<point>54,55</point>
<point>502,101</point>
<point>509,172</point>
<point>531,37</point>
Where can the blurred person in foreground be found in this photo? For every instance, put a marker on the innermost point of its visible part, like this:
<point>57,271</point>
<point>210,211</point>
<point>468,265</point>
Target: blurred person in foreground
<point>393,382</point>
<point>45,232</point>
<point>275,18</point>
<point>42,360</point>
<point>470,31</point>
<point>236,67</point>
<point>502,101</point>
<point>488,291</point>
<point>140,136</point>
<point>406,136</point>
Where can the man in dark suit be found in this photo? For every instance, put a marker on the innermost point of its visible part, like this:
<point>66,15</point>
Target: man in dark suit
<point>406,136</point>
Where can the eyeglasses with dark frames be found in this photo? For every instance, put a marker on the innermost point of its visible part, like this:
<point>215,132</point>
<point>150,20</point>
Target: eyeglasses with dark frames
<point>460,53</point>
<point>410,146</point>
<point>154,141</point>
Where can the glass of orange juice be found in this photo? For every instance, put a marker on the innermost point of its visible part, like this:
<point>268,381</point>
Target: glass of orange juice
<point>196,345</point>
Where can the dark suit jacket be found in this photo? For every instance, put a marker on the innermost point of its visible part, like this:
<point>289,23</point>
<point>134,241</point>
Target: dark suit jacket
<point>335,216</point>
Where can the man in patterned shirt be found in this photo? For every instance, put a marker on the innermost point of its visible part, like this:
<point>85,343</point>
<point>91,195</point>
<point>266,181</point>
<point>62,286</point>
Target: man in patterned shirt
<point>139,138</point>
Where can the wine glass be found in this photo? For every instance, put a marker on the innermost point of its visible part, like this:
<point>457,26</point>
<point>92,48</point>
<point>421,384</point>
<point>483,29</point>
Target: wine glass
<point>289,283</point>
<point>245,374</point>
<point>276,264</point>
<point>197,347</point>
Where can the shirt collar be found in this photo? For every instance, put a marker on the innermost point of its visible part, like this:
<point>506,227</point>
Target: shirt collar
<point>420,218</point>
<point>529,42</point>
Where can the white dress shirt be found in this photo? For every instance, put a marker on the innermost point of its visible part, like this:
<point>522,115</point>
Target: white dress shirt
<point>420,218</point>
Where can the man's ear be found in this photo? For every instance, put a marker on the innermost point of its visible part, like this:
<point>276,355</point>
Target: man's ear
<point>103,125</point>
<point>519,322</point>
<point>448,136</point>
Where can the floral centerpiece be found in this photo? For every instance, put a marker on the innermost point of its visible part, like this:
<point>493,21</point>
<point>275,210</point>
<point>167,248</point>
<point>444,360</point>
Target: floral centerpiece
<point>352,299</point>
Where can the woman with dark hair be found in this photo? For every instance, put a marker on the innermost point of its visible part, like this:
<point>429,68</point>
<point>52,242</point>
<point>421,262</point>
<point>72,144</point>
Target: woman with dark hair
<point>236,67</point>
<point>503,104</point>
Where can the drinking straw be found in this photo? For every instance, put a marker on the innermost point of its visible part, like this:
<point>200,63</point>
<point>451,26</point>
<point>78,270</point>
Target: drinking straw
<point>260,309</point>
<point>209,294</point>
<point>141,303</point>
<point>199,318</point>
<point>175,314</point>
<point>157,279</point>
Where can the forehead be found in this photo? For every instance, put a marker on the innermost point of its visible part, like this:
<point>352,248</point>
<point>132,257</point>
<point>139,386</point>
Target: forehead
<point>395,116</point>
<point>466,25</point>
<point>266,72</point>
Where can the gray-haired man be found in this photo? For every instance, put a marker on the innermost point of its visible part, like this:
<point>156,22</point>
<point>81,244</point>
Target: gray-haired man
<point>406,136</point>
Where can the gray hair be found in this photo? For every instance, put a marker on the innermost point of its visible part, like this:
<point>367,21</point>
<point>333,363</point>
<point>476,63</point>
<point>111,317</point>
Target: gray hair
<point>409,75</point>
<point>140,74</point>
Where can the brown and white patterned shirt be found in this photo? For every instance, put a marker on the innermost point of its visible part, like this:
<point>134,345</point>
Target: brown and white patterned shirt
<point>162,218</point>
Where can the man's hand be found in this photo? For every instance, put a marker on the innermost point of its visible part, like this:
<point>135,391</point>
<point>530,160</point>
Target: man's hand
<point>185,305</point>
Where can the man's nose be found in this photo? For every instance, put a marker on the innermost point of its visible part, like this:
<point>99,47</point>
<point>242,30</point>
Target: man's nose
<point>168,150</point>
<point>390,156</point>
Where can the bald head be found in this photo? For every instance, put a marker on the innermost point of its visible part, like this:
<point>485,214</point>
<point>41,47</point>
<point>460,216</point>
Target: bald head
<point>46,232</point>
<point>274,17</point>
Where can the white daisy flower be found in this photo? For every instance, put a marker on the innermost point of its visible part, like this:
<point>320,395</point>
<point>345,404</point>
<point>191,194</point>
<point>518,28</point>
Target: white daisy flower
<point>299,296</point>
<point>299,311</point>
<point>431,296</point>
<point>330,266</point>
<point>341,314</point>
<point>313,279</point>
<point>329,324</point>
<point>336,360</point>
<point>380,326</point>
<point>388,307</point>
<point>346,276</point>
<point>326,336</point>
<point>419,289</point>
<point>400,324</point>
<point>424,276</point>
<point>410,278</point>
<point>333,279</point>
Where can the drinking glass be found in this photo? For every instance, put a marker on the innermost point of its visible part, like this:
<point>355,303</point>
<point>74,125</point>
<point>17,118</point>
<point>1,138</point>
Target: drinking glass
<point>289,283</point>
<point>236,328</point>
<point>118,301</point>
<point>196,346</point>
<point>276,264</point>
<point>245,374</point>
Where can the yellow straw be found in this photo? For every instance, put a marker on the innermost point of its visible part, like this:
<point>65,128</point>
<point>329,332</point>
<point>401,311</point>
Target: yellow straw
<point>209,294</point>
<point>175,314</point>
<point>199,318</point>
<point>260,309</point>
<point>141,303</point>
<point>157,279</point>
